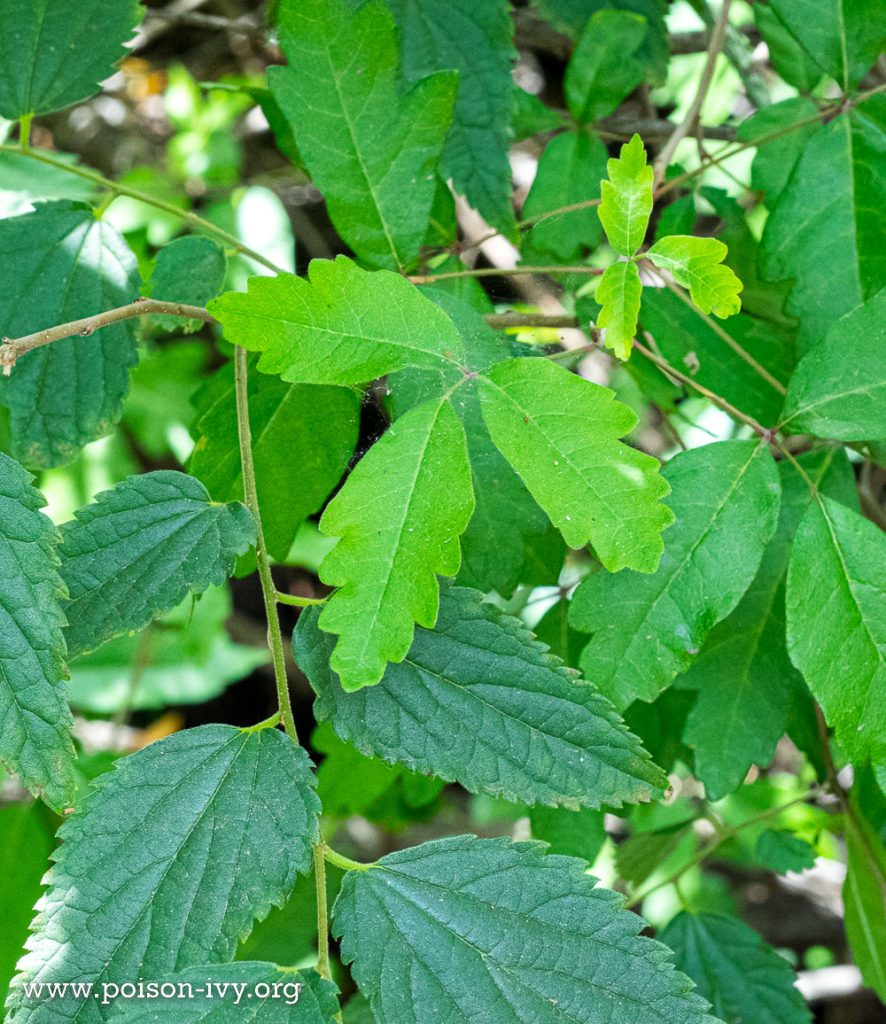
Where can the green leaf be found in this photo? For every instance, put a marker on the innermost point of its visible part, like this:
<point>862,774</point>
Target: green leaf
<point>604,68</point>
<point>24,854</point>
<point>303,438</point>
<point>864,900</point>
<point>371,150</point>
<point>743,978</point>
<point>839,388</point>
<point>646,629</point>
<point>786,55</point>
<point>579,833</point>
<point>140,548</point>
<point>189,270</point>
<point>475,701</point>
<point>340,325</point>
<point>836,621</point>
<point>35,721</point>
<point>619,294</point>
<point>824,232</point>
<point>644,852</point>
<point>53,54</point>
<point>743,675</point>
<point>627,198</point>
<point>490,930</point>
<point>260,991</point>
<point>782,851</point>
<point>187,658</point>
<point>569,171</point>
<point>58,264</point>
<point>697,264</point>
<point>775,159</point>
<point>398,517</point>
<point>560,433</point>
<point>477,41</point>
<point>168,862</point>
<point>843,37</point>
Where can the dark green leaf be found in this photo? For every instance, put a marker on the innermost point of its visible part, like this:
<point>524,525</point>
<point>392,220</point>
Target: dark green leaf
<point>782,851</point>
<point>604,68</point>
<point>864,900</point>
<point>579,833</point>
<point>189,270</point>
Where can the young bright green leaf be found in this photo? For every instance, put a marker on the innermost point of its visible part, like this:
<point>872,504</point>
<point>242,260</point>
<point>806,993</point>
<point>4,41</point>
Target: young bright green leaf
<point>836,621</point>
<point>743,978</point>
<point>627,198</point>
<point>239,992</point>
<point>303,438</point>
<point>604,68</point>
<point>477,41</point>
<point>140,548</point>
<point>569,171</point>
<point>824,232</point>
<point>476,701</point>
<point>561,434</point>
<point>52,54</point>
<point>697,264</point>
<point>782,851</point>
<point>168,862</point>
<point>864,901</point>
<point>398,517</point>
<point>619,294</point>
<point>340,325</point>
<point>646,629</point>
<point>371,149</point>
<point>35,721</point>
<point>839,388</point>
<point>487,930</point>
<point>743,675</point>
<point>189,270</point>
<point>59,264</point>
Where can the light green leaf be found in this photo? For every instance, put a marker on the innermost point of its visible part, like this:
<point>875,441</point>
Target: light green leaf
<point>864,901</point>
<point>490,930</point>
<point>58,264</point>
<point>619,294</point>
<point>839,388</point>
<point>189,270</point>
<point>140,548</point>
<point>744,677</point>
<point>743,978</point>
<point>843,37</point>
<point>782,851</point>
<point>398,517</point>
<point>35,721</point>
<point>825,232</point>
<point>836,621</point>
<point>53,54</point>
<point>604,68</point>
<point>475,701</point>
<point>255,991</point>
<point>340,325</point>
<point>371,150</point>
<point>646,629</point>
<point>477,41</point>
<point>186,658</point>
<point>560,433</point>
<point>627,198</point>
<point>303,438</point>
<point>569,171</point>
<point>168,862</point>
<point>697,264</point>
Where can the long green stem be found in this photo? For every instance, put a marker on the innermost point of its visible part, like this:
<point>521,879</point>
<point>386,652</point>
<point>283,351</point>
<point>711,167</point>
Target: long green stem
<point>506,272</point>
<point>322,912</point>
<point>340,861</point>
<point>250,496</point>
<point>299,602</point>
<point>120,189</point>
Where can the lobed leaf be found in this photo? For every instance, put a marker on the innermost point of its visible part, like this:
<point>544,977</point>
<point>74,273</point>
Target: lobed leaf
<point>560,433</point>
<point>340,325</point>
<point>619,293</point>
<point>476,702</point>
<point>140,549</point>
<point>697,264</point>
<point>626,202</point>
<point>167,864</point>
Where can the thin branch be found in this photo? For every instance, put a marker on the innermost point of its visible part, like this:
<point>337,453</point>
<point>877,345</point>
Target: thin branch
<point>690,121</point>
<point>502,321</point>
<point>626,125</point>
<point>13,348</point>
<point>505,272</point>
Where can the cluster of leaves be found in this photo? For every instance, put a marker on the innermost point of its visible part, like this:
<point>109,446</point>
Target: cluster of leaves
<point>724,599</point>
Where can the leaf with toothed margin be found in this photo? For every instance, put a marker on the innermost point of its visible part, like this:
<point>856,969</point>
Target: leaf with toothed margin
<point>697,264</point>
<point>619,294</point>
<point>477,702</point>
<point>626,202</point>
<point>167,864</point>
<point>35,720</point>
<point>140,548</point>
<point>488,931</point>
